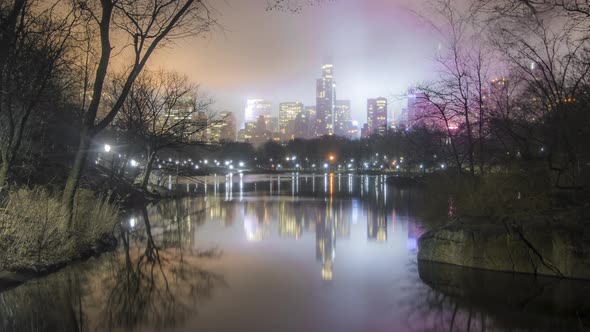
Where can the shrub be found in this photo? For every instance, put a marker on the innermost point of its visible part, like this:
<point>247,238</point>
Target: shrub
<point>498,195</point>
<point>34,234</point>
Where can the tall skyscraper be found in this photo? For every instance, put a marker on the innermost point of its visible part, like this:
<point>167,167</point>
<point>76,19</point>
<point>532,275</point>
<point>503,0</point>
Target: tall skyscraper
<point>342,118</point>
<point>325,97</point>
<point>377,116</point>
<point>288,112</point>
<point>255,108</point>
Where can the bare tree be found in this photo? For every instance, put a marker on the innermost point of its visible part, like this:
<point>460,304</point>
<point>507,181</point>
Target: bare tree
<point>142,26</point>
<point>164,111</point>
<point>546,42</point>
<point>462,83</point>
<point>35,43</point>
<point>434,102</point>
<point>293,6</point>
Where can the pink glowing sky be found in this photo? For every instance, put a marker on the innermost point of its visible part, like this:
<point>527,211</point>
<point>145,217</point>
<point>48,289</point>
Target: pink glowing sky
<point>379,48</point>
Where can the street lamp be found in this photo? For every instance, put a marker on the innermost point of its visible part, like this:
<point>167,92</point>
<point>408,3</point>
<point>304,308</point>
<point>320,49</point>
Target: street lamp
<point>107,148</point>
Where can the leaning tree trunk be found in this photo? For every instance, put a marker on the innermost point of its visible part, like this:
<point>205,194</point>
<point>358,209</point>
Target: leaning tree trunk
<point>148,170</point>
<point>75,176</point>
<point>4,175</point>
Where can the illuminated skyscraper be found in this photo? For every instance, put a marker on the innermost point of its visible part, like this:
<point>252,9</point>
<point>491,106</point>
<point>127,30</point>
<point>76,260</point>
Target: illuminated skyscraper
<point>255,108</point>
<point>288,112</point>
<point>377,116</point>
<point>325,98</point>
<point>342,119</point>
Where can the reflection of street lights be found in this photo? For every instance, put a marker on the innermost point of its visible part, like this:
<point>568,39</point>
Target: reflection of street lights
<point>177,163</point>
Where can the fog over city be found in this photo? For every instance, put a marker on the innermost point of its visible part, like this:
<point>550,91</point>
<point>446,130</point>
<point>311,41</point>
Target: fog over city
<point>379,48</point>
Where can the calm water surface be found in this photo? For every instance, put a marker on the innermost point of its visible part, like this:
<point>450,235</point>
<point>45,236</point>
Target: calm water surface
<point>288,253</point>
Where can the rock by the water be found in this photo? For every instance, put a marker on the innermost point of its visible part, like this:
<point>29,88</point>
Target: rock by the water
<point>543,246</point>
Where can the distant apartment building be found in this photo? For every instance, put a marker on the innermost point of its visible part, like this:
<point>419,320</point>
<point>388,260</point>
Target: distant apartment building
<point>377,116</point>
<point>288,112</point>
<point>342,117</point>
<point>224,129</point>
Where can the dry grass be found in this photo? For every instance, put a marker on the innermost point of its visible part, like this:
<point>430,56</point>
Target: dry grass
<point>34,234</point>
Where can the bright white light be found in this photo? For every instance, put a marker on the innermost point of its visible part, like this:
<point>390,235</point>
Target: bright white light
<point>294,158</point>
<point>226,163</point>
<point>443,166</point>
<point>397,167</point>
<point>132,222</point>
<point>421,166</point>
<point>231,166</point>
<point>241,164</point>
<point>297,166</point>
<point>325,165</point>
<point>206,161</point>
<point>107,148</point>
<point>133,163</point>
<point>196,166</point>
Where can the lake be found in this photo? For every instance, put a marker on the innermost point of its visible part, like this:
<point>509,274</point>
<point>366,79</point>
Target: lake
<point>286,252</point>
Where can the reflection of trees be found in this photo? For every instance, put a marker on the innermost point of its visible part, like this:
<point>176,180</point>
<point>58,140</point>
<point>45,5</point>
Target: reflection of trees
<point>159,286</point>
<point>459,299</point>
<point>53,303</point>
<point>152,280</point>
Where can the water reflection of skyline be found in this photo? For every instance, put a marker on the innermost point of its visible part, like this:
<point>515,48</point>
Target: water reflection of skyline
<point>290,210</point>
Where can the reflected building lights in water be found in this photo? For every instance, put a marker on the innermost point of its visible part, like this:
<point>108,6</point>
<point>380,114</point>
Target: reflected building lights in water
<point>241,186</point>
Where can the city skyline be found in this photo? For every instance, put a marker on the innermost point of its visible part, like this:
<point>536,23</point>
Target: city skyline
<point>375,55</point>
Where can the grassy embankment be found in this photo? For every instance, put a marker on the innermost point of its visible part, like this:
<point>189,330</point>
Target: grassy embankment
<point>33,232</point>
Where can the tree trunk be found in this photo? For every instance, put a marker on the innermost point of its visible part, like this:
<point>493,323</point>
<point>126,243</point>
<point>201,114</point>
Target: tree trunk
<point>75,176</point>
<point>4,175</point>
<point>148,170</point>
<point>470,142</point>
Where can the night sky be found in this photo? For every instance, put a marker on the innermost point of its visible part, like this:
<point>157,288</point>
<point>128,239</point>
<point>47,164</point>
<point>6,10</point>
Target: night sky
<point>379,48</point>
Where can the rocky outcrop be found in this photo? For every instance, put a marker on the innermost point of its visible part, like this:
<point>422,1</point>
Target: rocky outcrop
<point>543,246</point>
